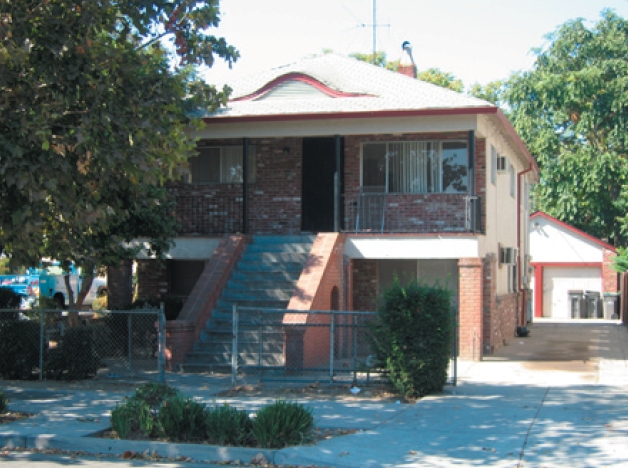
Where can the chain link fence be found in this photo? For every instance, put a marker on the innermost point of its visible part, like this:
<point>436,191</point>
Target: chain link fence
<point>306,346</point>
<point>75,345</point>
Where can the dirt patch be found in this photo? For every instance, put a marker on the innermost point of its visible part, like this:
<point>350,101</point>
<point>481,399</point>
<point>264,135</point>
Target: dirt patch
<point>318,391</point>
<point>320,434</point>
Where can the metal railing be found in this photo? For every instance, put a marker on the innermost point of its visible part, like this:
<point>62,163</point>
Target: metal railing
<point>313,345</point>
<point>74,345</point>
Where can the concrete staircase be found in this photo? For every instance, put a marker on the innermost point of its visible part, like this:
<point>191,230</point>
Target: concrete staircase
<point>265,277</point>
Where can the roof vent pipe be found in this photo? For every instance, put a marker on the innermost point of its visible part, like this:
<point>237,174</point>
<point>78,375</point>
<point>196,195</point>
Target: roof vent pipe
<point>406,63</point>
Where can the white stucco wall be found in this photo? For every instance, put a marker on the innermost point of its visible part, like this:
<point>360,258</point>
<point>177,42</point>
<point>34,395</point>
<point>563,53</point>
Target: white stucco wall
<point>327,127</point>
<point>374,247</point>
<point>553,242</point>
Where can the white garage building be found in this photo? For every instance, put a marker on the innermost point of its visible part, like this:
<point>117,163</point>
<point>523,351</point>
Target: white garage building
<point>565,261</point>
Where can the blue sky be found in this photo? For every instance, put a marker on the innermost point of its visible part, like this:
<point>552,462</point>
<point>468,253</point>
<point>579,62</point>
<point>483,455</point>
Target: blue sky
<point>476,40</point>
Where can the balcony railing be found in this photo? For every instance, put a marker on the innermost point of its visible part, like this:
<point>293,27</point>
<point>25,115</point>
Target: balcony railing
<point>412,213</point>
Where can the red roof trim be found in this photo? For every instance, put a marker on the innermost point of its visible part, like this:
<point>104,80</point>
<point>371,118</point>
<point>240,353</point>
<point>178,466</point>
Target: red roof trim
<point>517,140</point>
<point>351,115</point>
<point>304,79</point>
<point>568,264</point>
<point>569,227</point>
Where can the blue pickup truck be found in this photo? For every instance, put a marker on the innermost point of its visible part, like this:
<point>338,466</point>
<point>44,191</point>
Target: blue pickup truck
<point>26,286</point>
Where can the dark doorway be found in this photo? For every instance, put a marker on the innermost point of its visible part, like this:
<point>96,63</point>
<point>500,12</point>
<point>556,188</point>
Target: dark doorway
<point>319,167</point>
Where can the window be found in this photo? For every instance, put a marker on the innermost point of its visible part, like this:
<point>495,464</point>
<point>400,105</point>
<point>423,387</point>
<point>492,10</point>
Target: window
<point>221,165</point>
<point>513,278</point>
<point>493,165</point>
<point>415,167</point>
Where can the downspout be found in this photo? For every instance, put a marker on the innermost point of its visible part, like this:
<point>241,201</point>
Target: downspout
<point>337,185</point>
<point>524,293</point>
<point>245,185</point>
<point>472,199</point>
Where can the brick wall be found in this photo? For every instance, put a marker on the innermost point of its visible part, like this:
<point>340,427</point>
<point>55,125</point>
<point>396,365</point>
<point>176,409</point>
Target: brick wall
<point>152,278</point>
<point>609,276</point>
<point>470,314</point>
<point>480,178</point>
<point>320,281</point>
<point>275,197</point>
<point>364,274</point>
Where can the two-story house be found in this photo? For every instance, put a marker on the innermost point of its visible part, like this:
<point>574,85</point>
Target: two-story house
<point>385,174</point>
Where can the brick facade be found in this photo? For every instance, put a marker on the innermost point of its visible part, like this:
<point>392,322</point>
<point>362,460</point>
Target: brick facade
<point>152,279</point>
<point>609,276</point>
<point>470,312</point>
<point>364,274</point>
<point>275,196</point>
<point>319,288</point>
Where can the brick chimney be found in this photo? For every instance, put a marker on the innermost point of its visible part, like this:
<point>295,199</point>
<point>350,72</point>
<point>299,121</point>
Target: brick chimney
<point>406,63</point>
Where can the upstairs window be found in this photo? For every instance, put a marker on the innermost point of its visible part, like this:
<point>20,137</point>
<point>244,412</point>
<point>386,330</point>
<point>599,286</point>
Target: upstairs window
<point>415,167</point>
<point>220,165</point>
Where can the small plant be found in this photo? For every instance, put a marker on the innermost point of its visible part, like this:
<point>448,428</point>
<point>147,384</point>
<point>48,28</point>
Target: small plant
<point>9,299</point>
<point>227,425</point>
<point>282,424</point>
<point>183,419</point>
<point>125,417</point>
<point>4,405</point>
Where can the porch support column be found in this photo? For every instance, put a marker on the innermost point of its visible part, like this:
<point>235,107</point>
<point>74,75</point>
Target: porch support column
<point>470,303</point>
<point>245,185</point>
<point>337,185</point>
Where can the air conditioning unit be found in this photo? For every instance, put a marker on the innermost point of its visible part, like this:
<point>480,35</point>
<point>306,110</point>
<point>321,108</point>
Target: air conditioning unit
<point>503,164</point>
<point>508,256</point>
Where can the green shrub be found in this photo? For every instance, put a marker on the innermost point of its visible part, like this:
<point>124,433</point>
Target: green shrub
<point>227,425</point>
<point>183,419</point>
<point>76,357</point>
<point>155,394</point>
<point>19,348</point>
<point>412,338</point>
<point>9,299</point>
<point>282,424</point>
<point>4,404</point>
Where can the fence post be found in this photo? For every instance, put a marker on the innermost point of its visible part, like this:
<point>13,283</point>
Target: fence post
<point>260,346</point>
<point>42,320</point>
<point>355,350</point>
<point>234,346</point>
<point>129,339</point>
<point>332,332</point>
<point>162,343</point>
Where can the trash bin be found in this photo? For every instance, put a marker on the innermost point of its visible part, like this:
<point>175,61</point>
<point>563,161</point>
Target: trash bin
<point>577,305</point>
<point>593,304</point>
<point>611,301</point>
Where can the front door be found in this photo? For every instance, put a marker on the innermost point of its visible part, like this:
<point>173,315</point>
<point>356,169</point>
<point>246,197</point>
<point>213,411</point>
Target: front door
<point>319,167</point>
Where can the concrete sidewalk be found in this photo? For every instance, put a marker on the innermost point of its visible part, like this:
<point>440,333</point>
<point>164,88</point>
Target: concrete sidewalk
<point>556,398</point>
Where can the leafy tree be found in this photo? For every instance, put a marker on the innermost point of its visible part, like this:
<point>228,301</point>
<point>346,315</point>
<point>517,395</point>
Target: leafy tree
<point>95,104</point>
<point>572,111</point>
<point>431,75</point>
<point>491,92</point>
<point>441,78</point>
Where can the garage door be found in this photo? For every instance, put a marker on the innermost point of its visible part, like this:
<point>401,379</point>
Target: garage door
<point>556,283</point>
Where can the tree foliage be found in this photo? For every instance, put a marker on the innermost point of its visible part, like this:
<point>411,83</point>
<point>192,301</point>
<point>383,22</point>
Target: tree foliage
<point>93,120</point>
<point>431,75</point>
<point>572,111</point>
